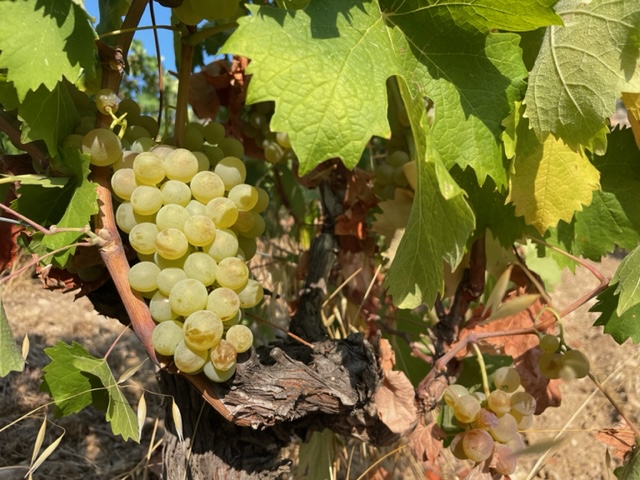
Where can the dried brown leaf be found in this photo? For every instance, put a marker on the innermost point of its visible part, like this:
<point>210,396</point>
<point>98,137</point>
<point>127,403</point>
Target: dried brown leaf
<point>426,442</point>
<point>395,400</point>
<point>620,437</point>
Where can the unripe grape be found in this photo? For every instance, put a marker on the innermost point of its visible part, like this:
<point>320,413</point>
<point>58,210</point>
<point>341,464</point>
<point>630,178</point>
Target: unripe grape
<point>150,124</point>
<point>477,445</point>
<point>506,379</point>
<point>231,148</point>
<point>103,146</point>
<point>550,364</point>
<point>130,107</point>
<point>213,132</point>
<point>574,365</point>
<point>549,343</point>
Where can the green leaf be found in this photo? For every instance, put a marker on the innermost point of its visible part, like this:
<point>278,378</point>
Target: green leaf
<point>551,180</point>
<point>513,15</point>
<point>620,327</point>
<point>353,52</point>
<point>582,68</point>
<point>316,457</point>
<point>35,179</point>
<point>631,468</point>
<point>83,204</point>
<point>72,375</point>
<point>42,42</point>
<point>10,358</point>
<point>48,115</point>
<point>44,206</point>
<point>628,279</point>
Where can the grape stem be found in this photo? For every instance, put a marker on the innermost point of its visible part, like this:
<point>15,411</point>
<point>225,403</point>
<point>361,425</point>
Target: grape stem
<point>136,29</point>
<point>483,369</point>
<point>184,76</point>
<point>292,335</point>
<point>47,231</point>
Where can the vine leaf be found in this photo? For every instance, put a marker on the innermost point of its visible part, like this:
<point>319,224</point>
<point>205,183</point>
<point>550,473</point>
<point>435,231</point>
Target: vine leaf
<point>335,112</point>
<point>45,42</point>
<point>10,358</point>
<point>538,186</point>
<point>583,67</point>
<point>76,379</point>
<point>620,327</point>
<point>632,104</point>
<point>628,279</point>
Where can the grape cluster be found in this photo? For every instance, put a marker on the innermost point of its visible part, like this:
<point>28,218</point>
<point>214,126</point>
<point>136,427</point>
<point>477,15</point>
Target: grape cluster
<point>492,423</point>
<point>390,175</point>
<point>276,145</point>
<point>193,223</point>
<point>558,362</point>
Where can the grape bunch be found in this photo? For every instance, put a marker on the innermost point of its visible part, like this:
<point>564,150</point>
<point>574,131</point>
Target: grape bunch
<point>556,361</point>
<point>491,424</point>
<point>193,224</point>
<point>275,145</point>
<point>390,175</point>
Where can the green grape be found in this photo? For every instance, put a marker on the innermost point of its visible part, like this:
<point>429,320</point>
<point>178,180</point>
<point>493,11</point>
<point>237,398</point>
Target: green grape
<point>193,138</point>
<point>549,343</point>
<point>188,296</point>
<point>123,183</point>
<point>263,201</point>
<point>225,245</point>
<point>398,158</point>
<point>486,419</point>
<point>574,365</point>
<point>453,392</point>
<point>213,153</point>
<point>206,186</point>
<point>505,429</point>
<point>175,192</point>
<point>384,174</point>
<point>103,146</point>
<point>223,356</point>
<point>163,150</point>
<point>194,207</point>
<point>224,302</point>
<point>248,246</point>
<point>550,364</point>
<point>499,402</point>
<point>203,330</point>
<point>143,276</point>
<point>466,408</point>
<point>257,228</point>
<point>142,145</point>
<point>160,308</point>
<point>523,403</point>
<point>506,379</point>
<point>149,168</point>
<point>504,461</point>
<point>273,153</point>
<point>166,336</point>
<point>180,164</point>
<point>200,230</point>
<point>107,101</point>
<point>233,320</point>
<point>245,222</point>
<point>142,238</point>
<point>146,200</point>
<point>203,162</point>
<point>150,124</point>
<point>73,141</point>
<point>168,277</point>
<point>125,161</point>
<point>482,398</point>
<point>213,132</point>
<point>257,120</point>
<point>131,108</point>
<point>85,125</point>
<point>201,267</point>
<point>171,243</point>
<point>251,294</point>
<point>218,376</point>
<point>166,263</point>
<point>231,148</point>
<point>244,196</point>
<point>232,273</point>
<point>232,171</point>
<point>188,360</point>
<point>135,132</point>
<point>222,211</point>
<point>477,445</point>
<point>172,216</point>
<point>283,139</point>
<point>241,337</point>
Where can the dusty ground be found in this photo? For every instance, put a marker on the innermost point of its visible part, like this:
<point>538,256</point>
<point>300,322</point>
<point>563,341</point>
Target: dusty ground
<point>89,450</point>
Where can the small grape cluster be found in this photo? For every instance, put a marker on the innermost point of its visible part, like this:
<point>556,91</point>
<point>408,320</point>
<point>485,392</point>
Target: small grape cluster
<point>556,361</point>
<point>492,423</point>
<point>193,224</point>
<point>390,175</point>
<point>276,145</point>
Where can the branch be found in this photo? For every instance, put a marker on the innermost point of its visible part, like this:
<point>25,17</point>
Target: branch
<point>35,149</point>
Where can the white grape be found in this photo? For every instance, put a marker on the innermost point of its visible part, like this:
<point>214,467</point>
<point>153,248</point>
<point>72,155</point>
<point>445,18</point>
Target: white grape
<point>123,183</point>
<point>180,164</point>
<point>166,336</point>
<point>142,238</point>
<point>241,337</point>
<point>188,360</point>
<point>206,186</point>
<point>203,330</point>
<point>224,302</point>
<point>201,267</point>
<point>171,243</point>
<point>199,230</point>
<point>103,146</point>
<point>143,276</point>
<point>232,273</point>
<point>168,277</point>
<point>172,216</point>
<point>251,294</point>
<point>188,296</point>
<point>176,192</point>
<point>222,211</point>
<point>146,200</point>
<point>232,171</point>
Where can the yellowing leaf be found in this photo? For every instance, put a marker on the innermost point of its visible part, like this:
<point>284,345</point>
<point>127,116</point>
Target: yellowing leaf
<point>632,103</point>
<point>550,181</point>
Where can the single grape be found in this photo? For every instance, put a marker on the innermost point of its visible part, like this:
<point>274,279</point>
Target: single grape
<point>180,164</point>
<point>166,336</point>
<point>126,161</point>
<point>103,146</point>
<point>466,408</point>
<point>203,162</point>
<point>213,132</point>
<point>135,132</point>
<point>550,364</point>
<point>273,153</point>
<point>199,230</point>
<point>201,267</point>
<point>549,343</point>
<point>143,276</point>
<point>263,200</point>
<point>398,158</point>
<point>188,360</point>
<point>524,403</point>
<point>222,211</point>
<point>231,148</point>
<point>224,302</point>
<point>453,392</point>
<point>149,168</point>
<point>477,445</point>
<point>486,419</point>
<point>524,421</point>
<point>213,153</point>
<point>168,277</point>
<point>146,200</point>
<point>506,379</point>
<point>203,330</point>
<point>160,308</point>
<point>188,296</point>
<point>166,263</point>
<point>107,101</point>
<point>384,174</point>
<point>223,355</point>
<point>123,183</point>
<point>225,245</point>
<point>163,150</point>
<point>172,216</point>
<point>171,243</point>
<point>218,376</point>
<point>142,238</point>
<point>504,460</point>
<point>130,107</point>
<point>505,429</point>
<point>574,365</point>
<point>194,207</point>
<point>456,447</point>
<point>244,196</point>
<point>126,217</point>
<point>150,124</point>
<point>251,294</point>
<point>193,138</point>
<point>245,222</point>
<point>241,337</point>
<point>248,245</point>
<point>283,139</point>
<point>232,171</point>
<point>175,192</point>
<point>258,226</point>
<point>206,186</point>
<point>499,402</point>
<point>232,273</point>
